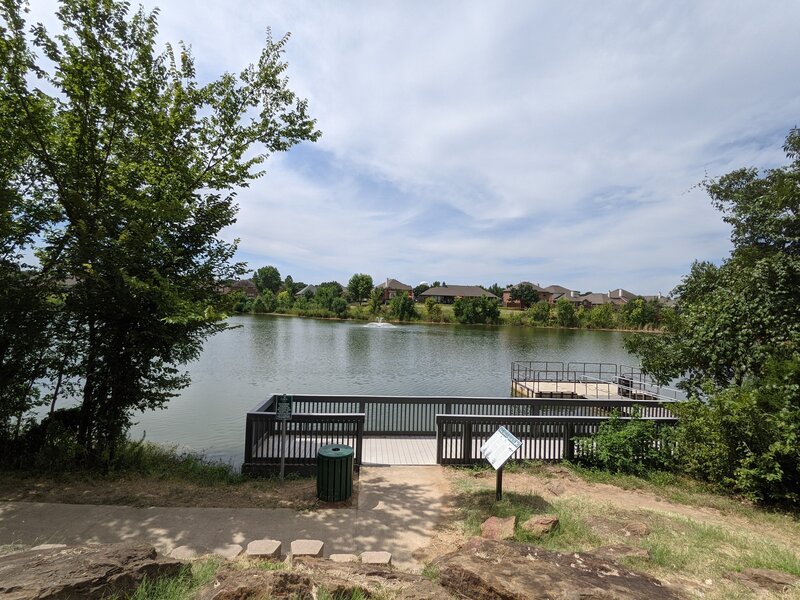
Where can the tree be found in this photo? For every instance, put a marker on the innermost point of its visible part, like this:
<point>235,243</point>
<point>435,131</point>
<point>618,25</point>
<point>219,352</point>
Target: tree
<point>267,278</point>
<point>734,340</point>
<point>288,284</point>
<point>565,313</point>
<point>496,290</point>
<point>640,313</point>
<point>603,316</point>
<point>359,286</point>
<point>525,293</point>
<point>326,293</point>
<point>540,312</point>
<point>127,173</point>
<point>418,290</point>
<point>375,301</point>
<point>481,310</point>
<point>339,307</point>
<point>433,310</point>
<point>402,307</point>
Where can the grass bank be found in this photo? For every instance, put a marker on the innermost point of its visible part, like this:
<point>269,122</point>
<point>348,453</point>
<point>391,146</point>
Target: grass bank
<point>147,474</point>
<point>685,534</point>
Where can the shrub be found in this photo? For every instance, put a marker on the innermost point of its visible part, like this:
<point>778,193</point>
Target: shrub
<point>482,310</point>
<point>402,308</point>
<point>632,446</point>
<point>339,307</point>
<point>433,310</point>
<point>539,312</point>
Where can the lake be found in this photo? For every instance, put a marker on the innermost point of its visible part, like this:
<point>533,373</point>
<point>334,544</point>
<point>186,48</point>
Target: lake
<point>267,354</point>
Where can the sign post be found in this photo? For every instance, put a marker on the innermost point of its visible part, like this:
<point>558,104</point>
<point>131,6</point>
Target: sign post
<point>497,450</point>
<point>283,413</point>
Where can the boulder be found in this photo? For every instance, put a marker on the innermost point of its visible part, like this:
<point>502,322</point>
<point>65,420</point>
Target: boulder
<point>81,572</point>
<point>618,525</point>
<point>495,528</point>
<point>488,569</point>
<point>256,583</point>
<point>765,579</point>
<point>556,488</point>
<point>540,525</point>
<point>621,551</point>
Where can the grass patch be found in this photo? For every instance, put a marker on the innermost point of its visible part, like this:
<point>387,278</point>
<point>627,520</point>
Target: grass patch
<point>431,571</point>
<point>182,587</point>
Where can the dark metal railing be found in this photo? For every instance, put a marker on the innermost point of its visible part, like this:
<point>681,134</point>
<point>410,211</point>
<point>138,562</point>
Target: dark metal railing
<point>347,419</point>
<point>305,433</point>
<point>547,438</point>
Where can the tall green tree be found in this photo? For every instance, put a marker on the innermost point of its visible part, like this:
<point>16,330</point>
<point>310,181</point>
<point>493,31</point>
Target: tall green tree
<point>480,310</point>
<point>566,315</point>
<point>402,308</point>
<point>127,172</point>
<point>734,340</point>
<point>525,293</point>
<point>359,286</point>
<point>267,278</point>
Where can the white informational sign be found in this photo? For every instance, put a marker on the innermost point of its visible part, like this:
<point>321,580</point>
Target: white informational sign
<point>500,447</point>
<point>283,408</point>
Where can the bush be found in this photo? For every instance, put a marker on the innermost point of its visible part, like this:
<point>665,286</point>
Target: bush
<point>339,307</point>
<point>632,446</point>
<point>433,310</point>
<point>482,310</point>
<point>402,308</point>
<point>539,312</point>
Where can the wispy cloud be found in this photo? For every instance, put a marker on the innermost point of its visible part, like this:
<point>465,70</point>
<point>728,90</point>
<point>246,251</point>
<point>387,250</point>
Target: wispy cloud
<point>481,142</point>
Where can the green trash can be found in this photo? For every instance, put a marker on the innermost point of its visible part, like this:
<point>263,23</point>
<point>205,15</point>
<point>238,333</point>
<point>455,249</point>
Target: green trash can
<point>334,472</point>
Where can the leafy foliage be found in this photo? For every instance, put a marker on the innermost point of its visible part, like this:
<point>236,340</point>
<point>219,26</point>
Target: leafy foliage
<point>632,446</point>
<point>735,340</point>
<point>540,312</point>
<point>565,313</point>
<point>481,310</point>
<point>267,278</point>
<point>402,307</point>
<point>525,293</point>
<point>359,286</point>
<point>122,177</point>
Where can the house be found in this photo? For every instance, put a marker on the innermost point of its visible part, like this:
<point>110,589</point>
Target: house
<point>559,291</point>
<point>509,303</point>
<point>593,300</point>
<point>447,294</point>
<point>309,290</point>
<point>620,297</point>
<point>392,287</point>
<point>246,286</point>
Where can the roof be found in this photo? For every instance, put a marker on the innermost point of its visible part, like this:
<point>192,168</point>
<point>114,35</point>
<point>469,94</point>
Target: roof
<point>393,284</point>
<point>557,289</point>
<point>533,285</point>
<point>621,293</point>
<point>458,291</point>
<point>594,298</point>
<point>307,289</point>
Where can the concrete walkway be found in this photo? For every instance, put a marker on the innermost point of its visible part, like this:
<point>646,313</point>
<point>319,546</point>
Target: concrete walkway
<point>398,509</point>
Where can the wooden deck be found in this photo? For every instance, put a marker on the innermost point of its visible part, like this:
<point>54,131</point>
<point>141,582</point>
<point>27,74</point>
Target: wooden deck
<point>585,390</point>
<point>399,451</point>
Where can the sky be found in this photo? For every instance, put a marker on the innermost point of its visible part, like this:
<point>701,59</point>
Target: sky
<point>477,142</point>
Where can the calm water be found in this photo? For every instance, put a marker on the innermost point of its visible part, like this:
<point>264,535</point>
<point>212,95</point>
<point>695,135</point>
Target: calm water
<point>268,354</point>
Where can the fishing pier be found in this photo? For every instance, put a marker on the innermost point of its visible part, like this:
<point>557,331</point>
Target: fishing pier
<point>551,404</point>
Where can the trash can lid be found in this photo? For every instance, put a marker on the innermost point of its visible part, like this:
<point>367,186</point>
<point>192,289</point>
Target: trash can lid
<point>335,451</point>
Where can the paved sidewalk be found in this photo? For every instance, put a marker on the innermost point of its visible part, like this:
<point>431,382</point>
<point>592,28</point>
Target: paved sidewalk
<point>398,509</point>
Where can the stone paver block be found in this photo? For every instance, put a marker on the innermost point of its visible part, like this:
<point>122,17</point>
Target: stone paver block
<point>185,553</point>
<point>376,558</point>
<point>228,551</point>
<point>307,548</point>
<point>343,558</point>
<point>264,549</point>
<point>495,528</point>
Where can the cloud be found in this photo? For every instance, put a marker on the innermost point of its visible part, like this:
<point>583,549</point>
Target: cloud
<point>480,142</point>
